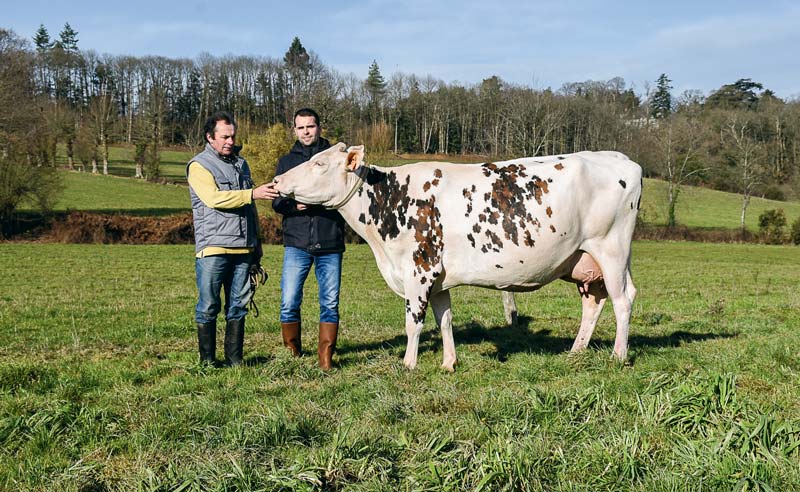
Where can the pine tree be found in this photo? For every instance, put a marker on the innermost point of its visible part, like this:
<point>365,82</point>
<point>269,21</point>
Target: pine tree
<point>42,39</point>
<point>298,65</point>
<point>43,47</point>
<point>376,86</point>
<point>661,102</point>
<point>739,95</point>
<point>296,59</point>
<point>68,39</point>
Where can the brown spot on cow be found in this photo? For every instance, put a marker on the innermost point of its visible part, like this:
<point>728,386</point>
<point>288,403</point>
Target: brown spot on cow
<point>537,188</point>
<point>549,212</point>
<point>428,234</point>
<point>437,173</point>
<point>426,186</point>
<point>529,240</point>
<point>559,166</point>
<point>468,195</point>
<point>476,228</point>
<point>495,239</point>
<point>389,202</point>
<point>553,228</point>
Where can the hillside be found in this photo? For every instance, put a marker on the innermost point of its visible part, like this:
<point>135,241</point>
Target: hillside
<point>697,207</point>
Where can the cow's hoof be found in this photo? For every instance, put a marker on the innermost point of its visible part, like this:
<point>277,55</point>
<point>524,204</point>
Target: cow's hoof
<point>578,348</point>
<point>449,366</point>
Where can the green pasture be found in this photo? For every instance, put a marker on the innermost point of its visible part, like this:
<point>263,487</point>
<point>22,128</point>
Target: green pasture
<point>113,194</point>
<point>100,389</point>
<point>121,162</point>
<point>708,209</point>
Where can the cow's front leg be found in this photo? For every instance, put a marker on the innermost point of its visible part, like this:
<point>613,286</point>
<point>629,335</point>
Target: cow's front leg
<point>418,285</point>
<point>416,305</point>
<point>440,303</point>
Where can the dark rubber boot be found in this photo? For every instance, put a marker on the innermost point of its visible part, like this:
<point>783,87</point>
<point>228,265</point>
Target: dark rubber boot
<point>207,342</point>
<point>327,344</point>
<point>234,342</point>
<point>291,337</point>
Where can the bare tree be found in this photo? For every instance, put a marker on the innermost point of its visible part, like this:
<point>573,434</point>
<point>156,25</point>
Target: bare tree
<point>748,154</point>
<point>678,143</point>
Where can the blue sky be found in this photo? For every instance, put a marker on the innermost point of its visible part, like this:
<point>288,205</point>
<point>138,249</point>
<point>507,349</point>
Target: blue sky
<point>699,44</point>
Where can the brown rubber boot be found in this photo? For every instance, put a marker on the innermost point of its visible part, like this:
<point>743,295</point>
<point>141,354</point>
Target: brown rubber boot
<point>327,344</point>
<point>291,337</point>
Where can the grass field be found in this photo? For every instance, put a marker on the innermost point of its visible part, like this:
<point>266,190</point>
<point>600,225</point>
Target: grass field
<point>121,163</point>
<point>100,390</point>
<point>113,194</point>
<point>708,209</point>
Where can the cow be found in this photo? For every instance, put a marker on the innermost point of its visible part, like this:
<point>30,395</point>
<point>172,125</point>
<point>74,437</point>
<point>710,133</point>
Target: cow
<point>513,226</point>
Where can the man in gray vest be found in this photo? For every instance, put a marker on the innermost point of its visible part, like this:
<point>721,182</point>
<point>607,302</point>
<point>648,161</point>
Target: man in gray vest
<point>226,235</point>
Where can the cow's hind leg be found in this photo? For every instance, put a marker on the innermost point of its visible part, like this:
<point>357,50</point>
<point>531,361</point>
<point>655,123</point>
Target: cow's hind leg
<point>510,308</point>
<point>592,300</point>
<point>614,261</point>
<point>440,303</point>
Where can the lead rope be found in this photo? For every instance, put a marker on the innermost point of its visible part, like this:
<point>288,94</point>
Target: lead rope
<point>258,276</point>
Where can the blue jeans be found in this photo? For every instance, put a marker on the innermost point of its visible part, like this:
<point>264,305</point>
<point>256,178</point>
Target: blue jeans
<point>221,271</point>
<point>328,270</point>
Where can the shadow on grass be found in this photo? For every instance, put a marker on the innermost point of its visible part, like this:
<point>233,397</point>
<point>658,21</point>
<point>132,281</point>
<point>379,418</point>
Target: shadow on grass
<point>258,360</point>
<point>509,340</point>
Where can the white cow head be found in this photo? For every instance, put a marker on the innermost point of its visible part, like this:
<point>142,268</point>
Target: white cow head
<point>325,179</point>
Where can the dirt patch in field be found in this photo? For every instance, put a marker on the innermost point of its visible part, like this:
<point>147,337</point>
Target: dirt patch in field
<point>84,227</point>
<point>91,228</point>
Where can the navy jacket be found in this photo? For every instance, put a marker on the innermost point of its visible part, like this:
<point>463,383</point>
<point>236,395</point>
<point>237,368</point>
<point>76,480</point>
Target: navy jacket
<point>315,229</point>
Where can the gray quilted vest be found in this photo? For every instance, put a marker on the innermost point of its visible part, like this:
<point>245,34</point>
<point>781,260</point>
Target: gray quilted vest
<point>229,228</point>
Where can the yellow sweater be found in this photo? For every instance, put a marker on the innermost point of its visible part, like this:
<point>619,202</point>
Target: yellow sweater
<point>203,184</point>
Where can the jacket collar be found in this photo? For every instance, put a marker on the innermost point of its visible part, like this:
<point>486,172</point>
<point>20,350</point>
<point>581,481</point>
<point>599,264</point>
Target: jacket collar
<point>230,159</point>
<point>307,152</point>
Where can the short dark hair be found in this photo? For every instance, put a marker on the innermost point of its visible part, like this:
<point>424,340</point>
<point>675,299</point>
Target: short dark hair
<point>211,122</point>
<point>306,112</point>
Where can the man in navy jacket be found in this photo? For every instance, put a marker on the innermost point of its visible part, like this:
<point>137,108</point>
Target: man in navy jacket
<point>312,235</point>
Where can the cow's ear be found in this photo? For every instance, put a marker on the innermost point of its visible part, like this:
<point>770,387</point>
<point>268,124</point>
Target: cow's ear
<point>355,157</point>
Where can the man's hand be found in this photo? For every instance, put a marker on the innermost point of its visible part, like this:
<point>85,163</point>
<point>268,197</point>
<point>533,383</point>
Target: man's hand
<point>301,206</point>
<point>265,192</point>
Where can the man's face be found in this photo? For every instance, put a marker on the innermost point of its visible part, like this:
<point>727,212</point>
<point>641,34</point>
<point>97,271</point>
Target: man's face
<point>306,129</point>
<point>223,139</point>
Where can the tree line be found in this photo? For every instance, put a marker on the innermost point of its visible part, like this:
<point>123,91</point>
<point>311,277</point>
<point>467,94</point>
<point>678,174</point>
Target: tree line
<point>739,138</point>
